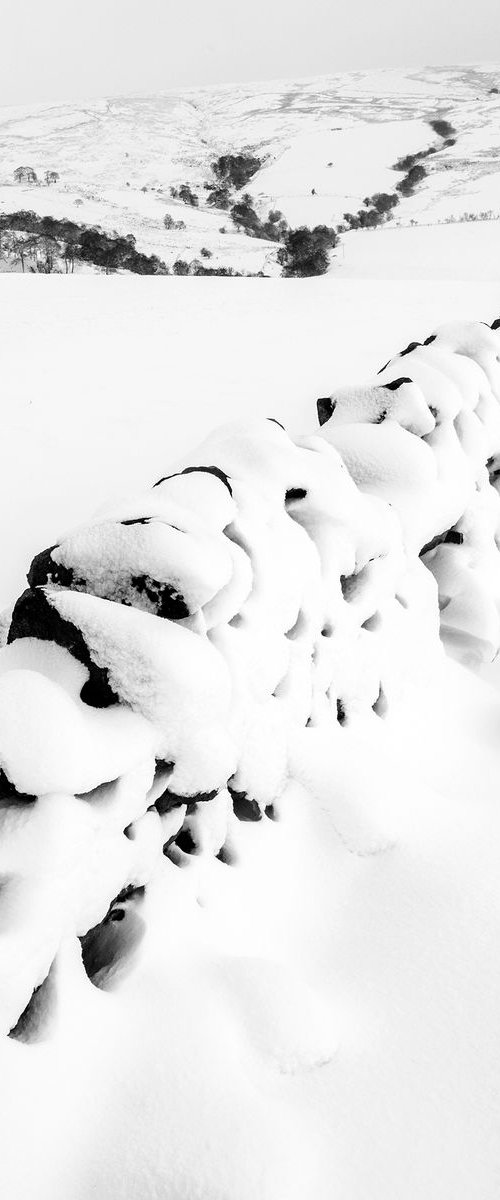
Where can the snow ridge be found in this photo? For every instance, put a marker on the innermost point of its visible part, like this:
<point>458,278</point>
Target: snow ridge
<point>163,657</point>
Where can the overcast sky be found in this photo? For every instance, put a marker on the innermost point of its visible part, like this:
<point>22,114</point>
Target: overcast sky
<point>65,49</point>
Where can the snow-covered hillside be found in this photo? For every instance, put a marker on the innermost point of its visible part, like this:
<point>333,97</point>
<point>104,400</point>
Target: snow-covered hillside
<point>324,144</point>
<point>299,996</point>
<point>460,250</point>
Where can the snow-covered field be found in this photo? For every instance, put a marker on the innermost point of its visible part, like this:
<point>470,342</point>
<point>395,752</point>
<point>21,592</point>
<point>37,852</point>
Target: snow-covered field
<point>324,143</point>
<point>317,1015</point>
<point>465,250</point>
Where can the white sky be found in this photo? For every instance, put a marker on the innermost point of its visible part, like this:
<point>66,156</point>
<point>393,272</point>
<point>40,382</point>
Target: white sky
<point>66,49</point>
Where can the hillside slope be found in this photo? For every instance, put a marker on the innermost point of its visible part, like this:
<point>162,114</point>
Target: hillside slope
<point>324,145</point>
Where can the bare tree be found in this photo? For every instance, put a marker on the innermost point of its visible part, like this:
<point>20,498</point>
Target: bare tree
<point>46,251</point>
<point>14,249</point>
<point>70,253</point>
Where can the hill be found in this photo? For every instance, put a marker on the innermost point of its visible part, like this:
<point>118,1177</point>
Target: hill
<point>322,146</point>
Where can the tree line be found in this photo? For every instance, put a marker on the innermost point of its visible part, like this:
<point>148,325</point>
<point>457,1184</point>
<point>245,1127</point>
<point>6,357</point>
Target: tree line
<point>42,243</point>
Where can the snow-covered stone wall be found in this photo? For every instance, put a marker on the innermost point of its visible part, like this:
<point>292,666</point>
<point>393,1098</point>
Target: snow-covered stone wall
<point>163,656</point>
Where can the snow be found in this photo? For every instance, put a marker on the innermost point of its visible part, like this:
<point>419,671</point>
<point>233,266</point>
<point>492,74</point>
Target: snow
<point>75,375</point>
<point>383,1081</point>
<point>307,1004</point>
<point>343,165</point>
<point>325,144</point>
<point>465,250</point>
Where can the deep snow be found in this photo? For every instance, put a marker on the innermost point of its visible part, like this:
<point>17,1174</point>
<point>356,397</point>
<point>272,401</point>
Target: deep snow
<point>462,250</point>
<point>319,1015</point>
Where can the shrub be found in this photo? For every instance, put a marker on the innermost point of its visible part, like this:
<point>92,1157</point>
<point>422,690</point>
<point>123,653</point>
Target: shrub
<point>275,228</point>
<point>187,196</point>
<point>244,215</point>
<point>205,253</point>
<point>326,235</point>
<point>410,160</point>
<point>198,269</point>
<point>219,196</point>
<point>169,222</point>
<point>306,251</point>
<point>235,170</point>
<point>195,267</point>
<point>383,202</point>
<point>369,218</point>
<point>442,127</point>
<point>415,175</point>
<point>351,221</point>
<point>376,209</point>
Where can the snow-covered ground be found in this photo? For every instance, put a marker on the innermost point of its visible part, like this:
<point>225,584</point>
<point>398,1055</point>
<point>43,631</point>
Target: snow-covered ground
<point>317,1016</point>
<point>324,143</point>
<point>104,386</point>
<point>465,250</point>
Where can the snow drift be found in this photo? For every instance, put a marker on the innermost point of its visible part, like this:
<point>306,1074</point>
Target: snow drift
<point>164,658</point>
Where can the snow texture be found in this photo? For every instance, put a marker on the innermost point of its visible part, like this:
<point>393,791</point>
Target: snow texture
<point>161,673</point>
<point>252,592</point>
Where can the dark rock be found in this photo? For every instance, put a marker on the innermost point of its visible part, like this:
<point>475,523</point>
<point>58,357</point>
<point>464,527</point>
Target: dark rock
<point>34,616</point>
<point>114,940</point>
<point>168,602</point>
<point>396,383</point>
<point>244,808</point>
<point>162,764</point>
<point>190,470</point>
<point>225,856</point>
<point>45,570</point>
<point>325,407</point>
<point>297,493</point>
<point>9,792</point>
<point>449,537</point>
<point>169,800</point>
<point>185,841</point>
<point>33,1024</point>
